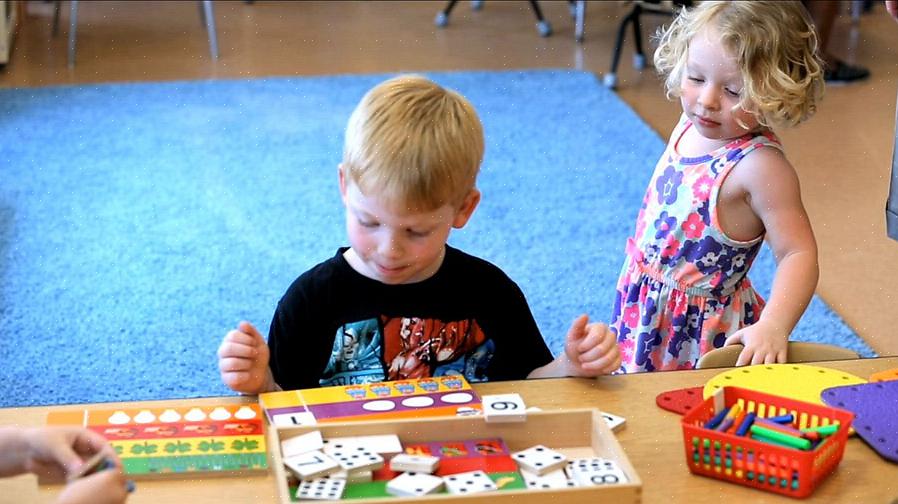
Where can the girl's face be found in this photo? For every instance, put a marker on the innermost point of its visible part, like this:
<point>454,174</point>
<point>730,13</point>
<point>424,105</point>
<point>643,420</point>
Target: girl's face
<point>711,86</point>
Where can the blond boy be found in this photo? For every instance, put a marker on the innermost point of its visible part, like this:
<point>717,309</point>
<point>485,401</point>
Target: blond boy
<point>400,303</point>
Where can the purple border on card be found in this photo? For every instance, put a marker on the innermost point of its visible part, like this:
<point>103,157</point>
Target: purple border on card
<point>355,408</point>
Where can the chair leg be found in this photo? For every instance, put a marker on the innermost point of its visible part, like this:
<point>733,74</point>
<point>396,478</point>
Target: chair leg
<point>73,30</point>
<point>209,15</point>
<point>579,19</point>
<point>57,6</point>
<point>545,29</point>
<point>202,9</point>
<point>619,43</point>
<point>639,56</point>
<point>442,18</point>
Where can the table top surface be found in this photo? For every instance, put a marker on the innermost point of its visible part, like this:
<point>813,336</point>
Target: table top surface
<point>652,439</point>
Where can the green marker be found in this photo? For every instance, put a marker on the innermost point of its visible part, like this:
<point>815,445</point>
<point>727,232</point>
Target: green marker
<point>780,438</point>
<point>824,430</point>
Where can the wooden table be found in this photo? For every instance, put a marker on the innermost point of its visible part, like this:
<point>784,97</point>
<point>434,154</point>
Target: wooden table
<point>652,439</point>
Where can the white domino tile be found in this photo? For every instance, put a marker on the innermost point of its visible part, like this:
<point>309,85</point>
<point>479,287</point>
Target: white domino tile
<point>539,459</point>
<point>469,483</point>
<point>321,489</point>
<point>413,484</point>
<point>310,441</point>
<point>550,480</point>
<point>414,463</point>
<point>311,465</point>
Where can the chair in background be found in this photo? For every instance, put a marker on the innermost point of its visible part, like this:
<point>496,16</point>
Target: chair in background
<point>640,7</point>
<point>798,351</point>
<point>543,26</point>
<point>206,14</point>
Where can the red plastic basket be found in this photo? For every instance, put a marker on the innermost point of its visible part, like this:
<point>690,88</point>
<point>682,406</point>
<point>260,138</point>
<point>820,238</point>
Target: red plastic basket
<point>756,464</point>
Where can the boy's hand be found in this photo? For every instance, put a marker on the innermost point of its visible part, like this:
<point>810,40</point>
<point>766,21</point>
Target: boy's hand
<point>243,360</point>
<point>764,344</point>
<point>591,349</point>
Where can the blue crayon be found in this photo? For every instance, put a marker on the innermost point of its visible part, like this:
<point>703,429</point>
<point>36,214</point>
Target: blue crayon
<point>715,421</point>
<point>746,424</point>
<point>782,419</point>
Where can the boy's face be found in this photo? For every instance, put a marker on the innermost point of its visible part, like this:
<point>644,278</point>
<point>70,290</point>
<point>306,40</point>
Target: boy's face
<point>394,246</point>
<point>711,86</point>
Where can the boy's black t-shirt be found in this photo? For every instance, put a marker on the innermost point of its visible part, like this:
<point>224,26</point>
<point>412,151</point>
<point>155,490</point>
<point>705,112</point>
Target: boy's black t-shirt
<point>335,326</point>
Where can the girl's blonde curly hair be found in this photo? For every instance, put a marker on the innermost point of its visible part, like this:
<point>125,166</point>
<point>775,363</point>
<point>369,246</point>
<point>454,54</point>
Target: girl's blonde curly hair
<point>775,44</point>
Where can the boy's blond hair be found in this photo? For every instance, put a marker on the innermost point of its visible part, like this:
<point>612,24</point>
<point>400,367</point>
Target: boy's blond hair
<point>414,144</point>
<point>775,45</point>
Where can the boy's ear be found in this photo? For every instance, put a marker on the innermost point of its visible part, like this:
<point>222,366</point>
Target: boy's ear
<point>342,177</point>
<point>467,207</point>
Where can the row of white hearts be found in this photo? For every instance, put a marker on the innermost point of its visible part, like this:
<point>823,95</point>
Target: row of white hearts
<point>193,415</point>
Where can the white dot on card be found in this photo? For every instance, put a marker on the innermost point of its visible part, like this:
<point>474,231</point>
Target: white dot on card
<point>119,418</point>
<point>245,413</point>
<point>195,415</point>
<point>378,405</point>
<point>144,417</point>
<point>457,398</point>
<point>220,413</point>
<point>417,402</point>
<point>169,416</point>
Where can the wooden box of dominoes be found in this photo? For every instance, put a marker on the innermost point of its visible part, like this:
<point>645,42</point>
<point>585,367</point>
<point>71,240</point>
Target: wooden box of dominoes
<point>569,455</point>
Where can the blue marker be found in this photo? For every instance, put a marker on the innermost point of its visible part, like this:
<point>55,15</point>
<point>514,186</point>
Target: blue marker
<point>715,421</point>
<point>746,424</point>
<point>782,419</point>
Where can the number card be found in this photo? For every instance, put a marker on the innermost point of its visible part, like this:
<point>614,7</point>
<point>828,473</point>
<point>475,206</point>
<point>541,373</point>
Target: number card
<point>504,408</point>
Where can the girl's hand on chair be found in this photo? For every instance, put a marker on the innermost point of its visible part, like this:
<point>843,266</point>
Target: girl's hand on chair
<point>764,344</point>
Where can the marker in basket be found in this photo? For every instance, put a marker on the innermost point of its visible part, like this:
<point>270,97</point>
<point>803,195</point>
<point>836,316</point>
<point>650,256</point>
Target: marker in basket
<point>824,430</point>
<point>716,419</point>
<point>785,429</point>
<point>746,424</point>
<point>782,419</point>
<point>779,438</point>
<point>736,423</point>
<point>729,418</point>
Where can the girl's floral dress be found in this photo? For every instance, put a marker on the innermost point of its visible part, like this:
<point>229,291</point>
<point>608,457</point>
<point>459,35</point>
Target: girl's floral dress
<point>683,288</point>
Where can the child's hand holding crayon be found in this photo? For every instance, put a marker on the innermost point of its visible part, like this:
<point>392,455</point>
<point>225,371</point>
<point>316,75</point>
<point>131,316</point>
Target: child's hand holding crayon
<point>81,456</point>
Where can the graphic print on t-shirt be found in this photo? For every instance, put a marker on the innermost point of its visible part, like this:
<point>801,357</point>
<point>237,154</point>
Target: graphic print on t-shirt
<point>400,348</point>
<point>356,356</point>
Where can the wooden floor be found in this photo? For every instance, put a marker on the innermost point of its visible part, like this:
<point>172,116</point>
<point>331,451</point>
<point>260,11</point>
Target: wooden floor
<point>843,154</point>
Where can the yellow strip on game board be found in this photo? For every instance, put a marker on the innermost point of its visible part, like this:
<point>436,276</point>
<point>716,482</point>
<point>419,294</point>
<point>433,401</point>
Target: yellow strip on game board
<point>179,447</point>
<point>284,399</point>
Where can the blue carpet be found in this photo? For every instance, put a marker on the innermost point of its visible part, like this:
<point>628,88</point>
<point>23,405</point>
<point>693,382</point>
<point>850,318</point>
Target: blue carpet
<point>140,222</point>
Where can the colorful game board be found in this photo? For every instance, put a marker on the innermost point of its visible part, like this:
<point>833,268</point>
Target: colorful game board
<point>160,442</point>
<point>424,397</point>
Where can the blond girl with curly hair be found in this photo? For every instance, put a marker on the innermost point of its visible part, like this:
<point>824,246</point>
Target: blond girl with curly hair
<point>722,187</point>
